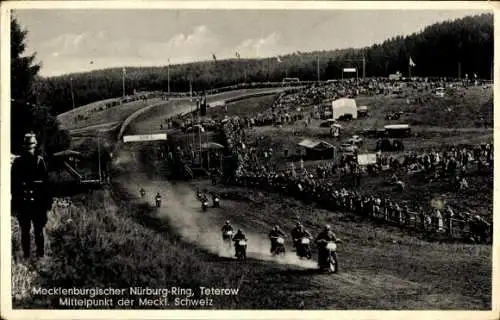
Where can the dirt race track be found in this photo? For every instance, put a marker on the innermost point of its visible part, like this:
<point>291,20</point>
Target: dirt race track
<point>376,260</point>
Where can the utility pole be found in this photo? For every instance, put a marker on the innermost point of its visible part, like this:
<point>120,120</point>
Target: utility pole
<point>123,82</point>
<point>72,94</point>
<point>364,67</point>
<point>190,90</point>
<point>99,154</point>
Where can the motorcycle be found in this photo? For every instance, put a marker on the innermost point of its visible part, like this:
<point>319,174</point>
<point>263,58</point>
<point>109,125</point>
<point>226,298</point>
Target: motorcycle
<point>199,196</point>
<point>304,248</point>
<point>327,257</point>
<point>204,205</point>
<point>279,246</point>
<point>226,237</point>
<point>216,202</point>
<point>241,249</point>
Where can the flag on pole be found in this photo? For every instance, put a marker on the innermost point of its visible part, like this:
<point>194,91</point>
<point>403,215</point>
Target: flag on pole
<point>278,59</point>
<point>213,56</point>
<point>237,54</point>
<point>124,71</point>
<point>412,64</point>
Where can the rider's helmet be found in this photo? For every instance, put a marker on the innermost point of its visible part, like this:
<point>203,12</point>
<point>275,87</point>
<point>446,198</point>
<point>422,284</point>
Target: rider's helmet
<point>276,228</point>
<point>228,222</point>
<point>299,225</point>
<point>328,227</point>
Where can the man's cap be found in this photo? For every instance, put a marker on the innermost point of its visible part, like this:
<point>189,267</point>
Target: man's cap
<point>30,139</point>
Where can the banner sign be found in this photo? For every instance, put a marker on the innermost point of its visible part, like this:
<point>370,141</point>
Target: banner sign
<point>350,70</point>
<point>367,158</point>
<point>217,103</point>
<point>145,137</point>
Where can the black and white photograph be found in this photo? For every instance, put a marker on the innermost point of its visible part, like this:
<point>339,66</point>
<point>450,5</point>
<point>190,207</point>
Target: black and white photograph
<point>245,157</point>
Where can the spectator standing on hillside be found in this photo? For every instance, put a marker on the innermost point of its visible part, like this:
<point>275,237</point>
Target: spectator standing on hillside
<point>31,198</point>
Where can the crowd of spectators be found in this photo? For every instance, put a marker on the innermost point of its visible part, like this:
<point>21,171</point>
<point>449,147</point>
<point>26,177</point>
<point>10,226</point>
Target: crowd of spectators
<point>254,169</point>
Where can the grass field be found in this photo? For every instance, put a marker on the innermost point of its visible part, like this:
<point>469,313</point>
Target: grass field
<point>92,118</point>
<point>242,108</point>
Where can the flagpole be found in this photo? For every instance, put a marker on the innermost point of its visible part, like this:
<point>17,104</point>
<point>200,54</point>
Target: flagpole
<point>317,66</point>
<point>168,77</point>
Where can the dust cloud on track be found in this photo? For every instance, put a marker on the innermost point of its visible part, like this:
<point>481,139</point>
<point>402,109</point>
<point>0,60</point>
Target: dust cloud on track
<point>182,211</point>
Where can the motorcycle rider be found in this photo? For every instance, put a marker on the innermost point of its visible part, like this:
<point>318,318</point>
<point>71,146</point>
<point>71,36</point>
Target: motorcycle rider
<point>275,233</point>
<point>142,192</point>
<point>198,194</point>
<point>226,228</point>
<point>203,196</point>
<point>237,237</point>
<point>298,233</point>
<point>158,199</point>
<point>321,241</point>
<point>215,200</point>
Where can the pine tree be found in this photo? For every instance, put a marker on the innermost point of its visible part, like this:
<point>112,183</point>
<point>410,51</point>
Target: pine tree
<point>26,115</point>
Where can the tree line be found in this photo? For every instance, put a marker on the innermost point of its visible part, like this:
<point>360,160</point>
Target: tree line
<point>447,49</point>
<point>27,114</point>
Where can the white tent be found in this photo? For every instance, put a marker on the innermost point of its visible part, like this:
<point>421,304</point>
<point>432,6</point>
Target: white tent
<point>344,106</point>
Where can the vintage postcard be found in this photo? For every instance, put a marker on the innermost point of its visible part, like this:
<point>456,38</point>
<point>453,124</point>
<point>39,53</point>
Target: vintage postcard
<point>248,159</point>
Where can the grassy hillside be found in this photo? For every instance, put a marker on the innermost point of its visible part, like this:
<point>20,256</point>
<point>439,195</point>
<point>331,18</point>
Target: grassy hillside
<point>243,108</point>
<point>102,242</point>
<point>92,117</point>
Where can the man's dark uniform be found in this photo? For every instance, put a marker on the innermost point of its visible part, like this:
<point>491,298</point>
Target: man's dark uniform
<point>31,198</point>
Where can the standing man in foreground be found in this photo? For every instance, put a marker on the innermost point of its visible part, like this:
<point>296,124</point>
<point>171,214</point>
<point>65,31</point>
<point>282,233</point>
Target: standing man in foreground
<point>31,198</point>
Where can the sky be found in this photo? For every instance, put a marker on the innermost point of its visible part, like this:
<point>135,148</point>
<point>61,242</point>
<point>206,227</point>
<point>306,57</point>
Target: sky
<point>77,40</point>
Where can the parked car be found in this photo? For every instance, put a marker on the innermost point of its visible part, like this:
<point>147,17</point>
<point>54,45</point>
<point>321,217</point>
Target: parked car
<point>348,148</point>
